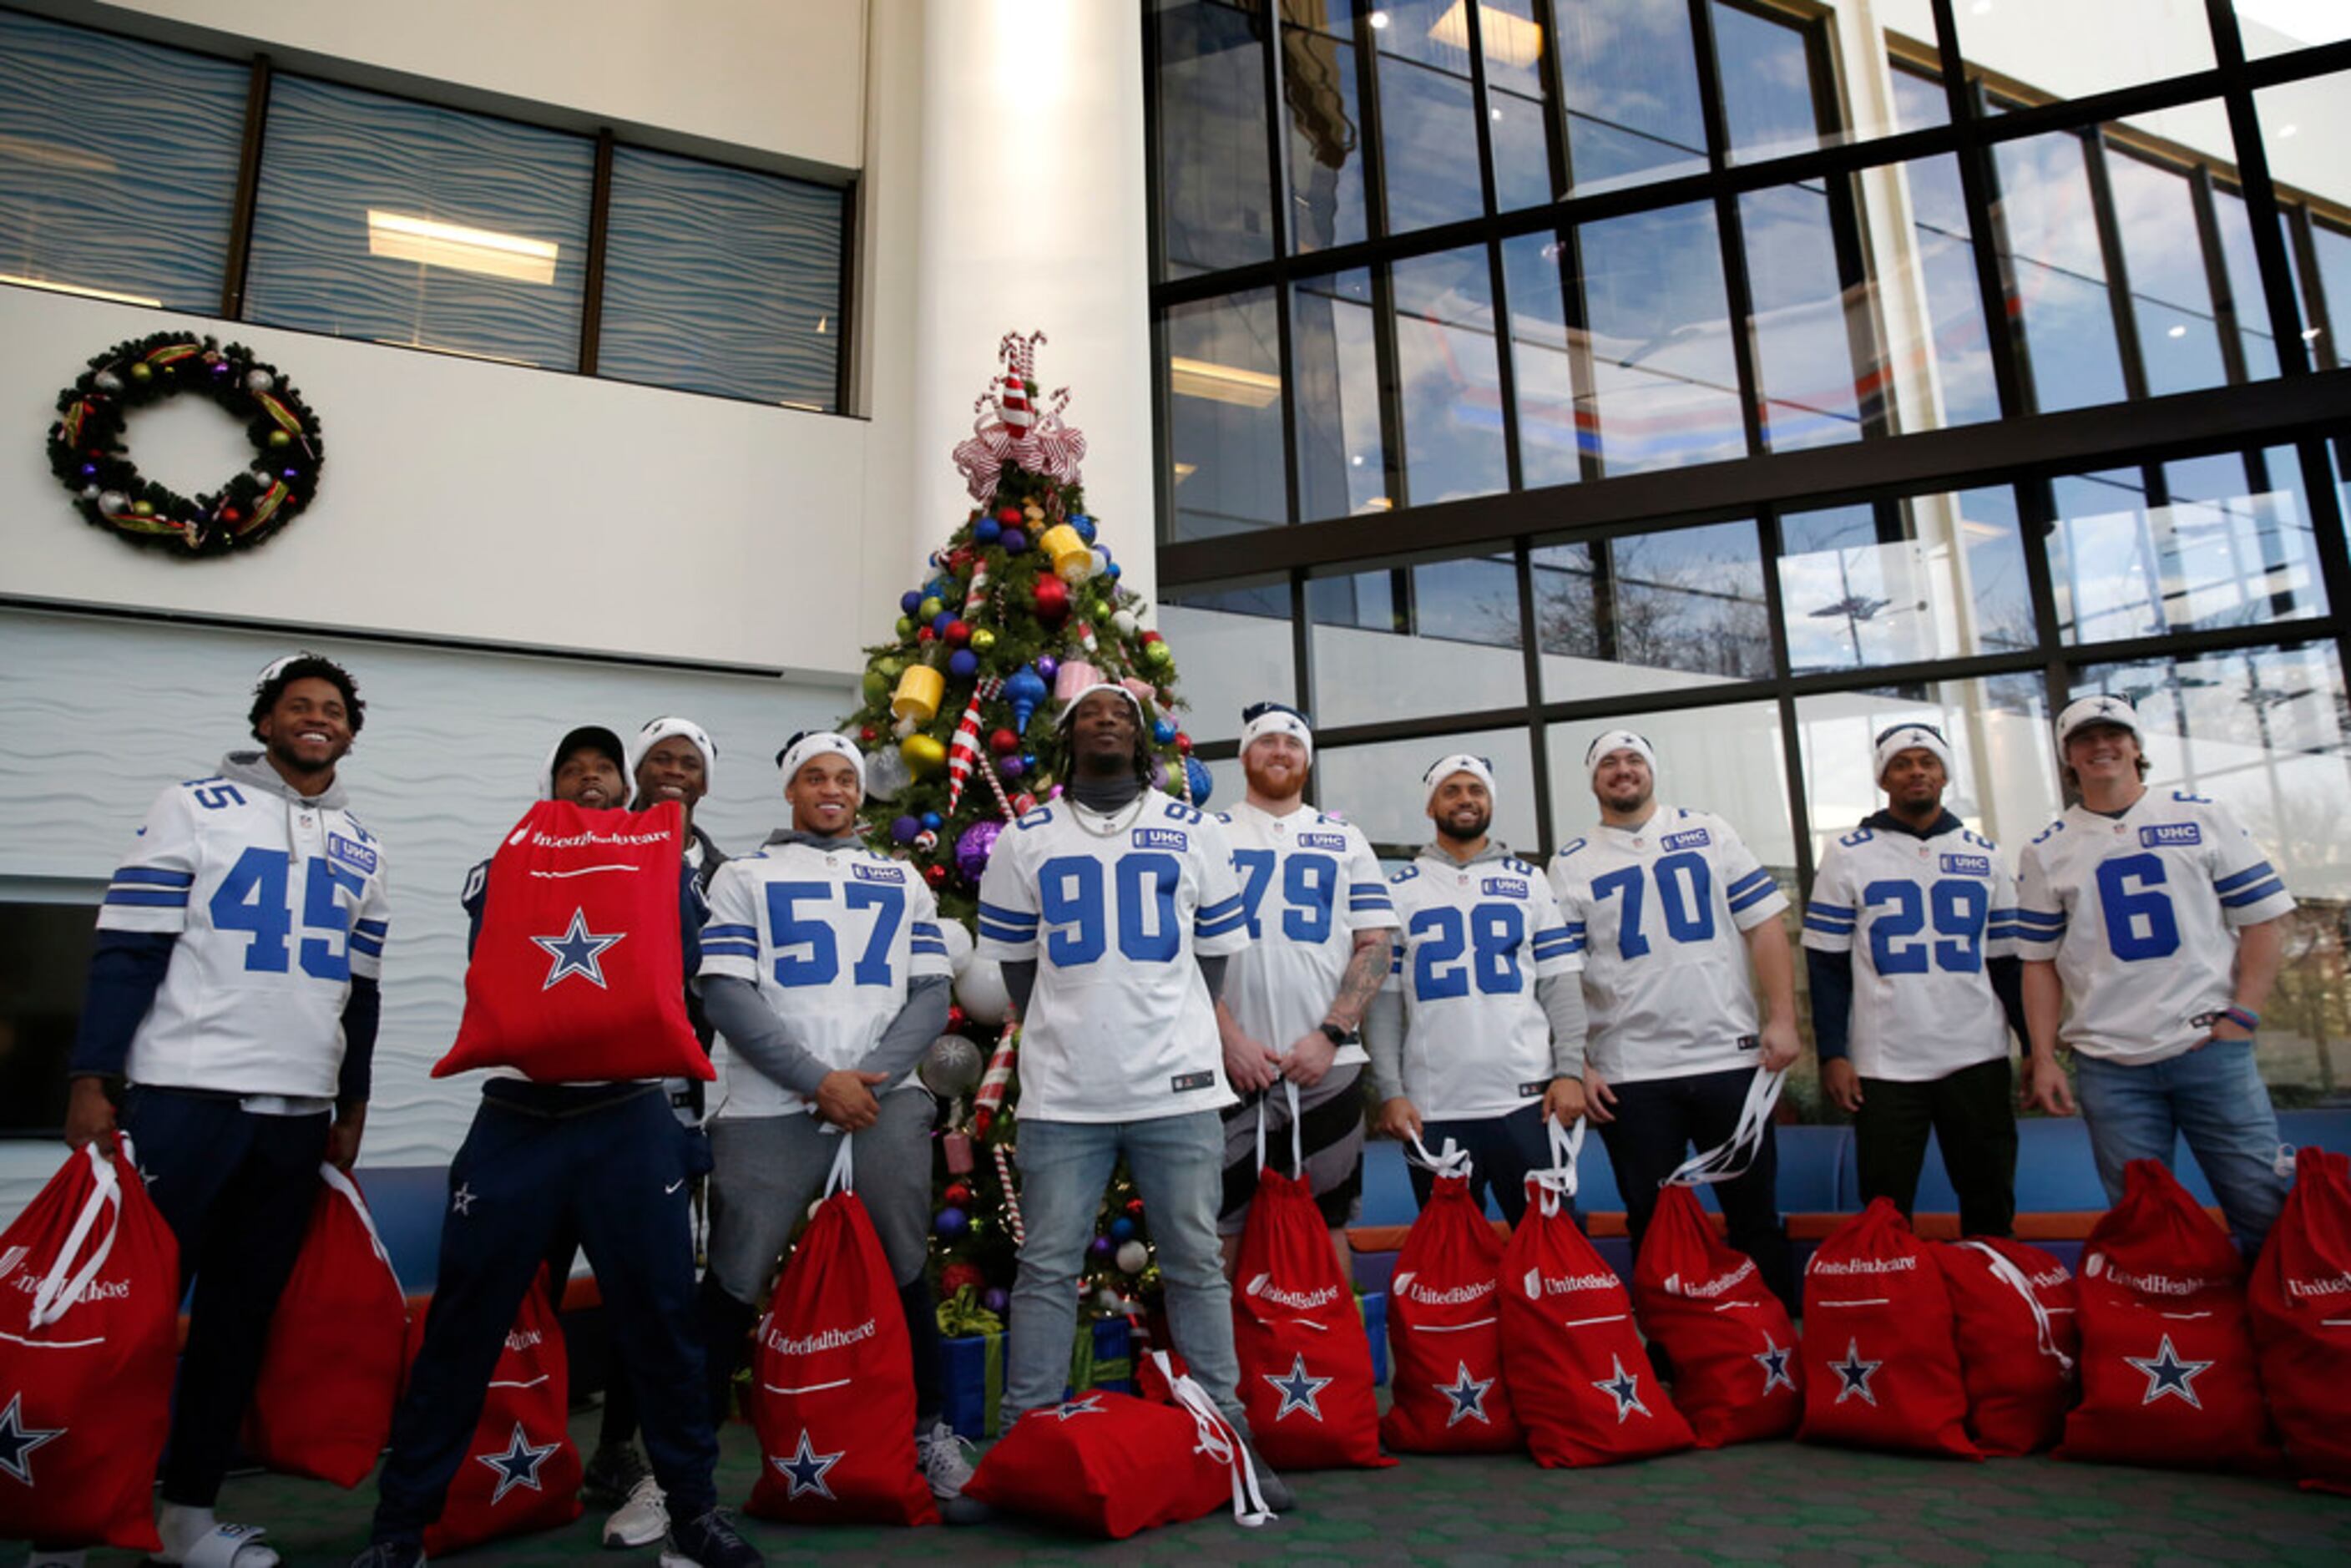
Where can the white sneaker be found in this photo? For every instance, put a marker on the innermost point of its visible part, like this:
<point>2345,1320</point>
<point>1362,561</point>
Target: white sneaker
<point>945,1459</point>
<point>643,1519</point>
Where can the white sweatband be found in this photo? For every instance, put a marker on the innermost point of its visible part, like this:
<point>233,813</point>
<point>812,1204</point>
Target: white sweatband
<point>819,743</point>
<point>1619,740</point>
<point>1459,762</point>
<point>660,729</point>
<point>1911,737</point>
<point>1279,721</point>
<point>1140,715</point>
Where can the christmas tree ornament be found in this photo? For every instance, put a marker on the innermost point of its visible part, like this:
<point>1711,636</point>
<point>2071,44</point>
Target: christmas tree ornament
<point>1011,767</point>
<point>931,820</point>
<point>1130,1257</point>
<point>1075,676</point>
<point>941,621</point>
<point>1163,731</point>
<point>1047,665</point>
<point>963,1274</point>
<point>950,1069</point>
<point>996,1301</point>
<point>924,753</point>
<point>1004,1168</point>
<point>975,596</point>
<point>875,686</point>
<point>1003,742</point>
<point>1202,781</point>
<point>904,828</point>
<point>1052,600</point>
<point>963,664</point>
<point>1084,524</point>
<point>988,531</point>
<point>1014,541</point>
<point>1099,1248</point>
<point>919,691</point>
<point>975,845</point>
<point>1071,559</point>
<point>911,600</point>
<point>1008,516</point>
<point>956,935</point>
<point>866,732</point>
<point>963,754</point>
<point>905,627</point>
<point>934,874</point>
<point>1121,1228</point>
<point>1158,656</point>
<point>1024,690</point>
<point>980,991</point>
<point>1145,695</point>
<point>957,631</point>
<point>886,774</point>
<point>1086,634</point>
<point>959,1192</point>
<point>1124,623</point>
<point>951,1223</point>
<point>928,608</point>
<point>924,634</point>
<point>1184,743</point>
<point>1033,512</point>
<point>982,640</point>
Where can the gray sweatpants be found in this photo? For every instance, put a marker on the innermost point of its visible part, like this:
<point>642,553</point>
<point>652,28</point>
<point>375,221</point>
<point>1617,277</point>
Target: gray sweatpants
<point>768,1170</point>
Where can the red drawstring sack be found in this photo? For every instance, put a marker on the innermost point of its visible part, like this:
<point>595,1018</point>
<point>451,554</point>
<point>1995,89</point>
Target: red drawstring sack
<point>1580,1378</point>
<point>1881,1357</point>
<point>2301,1302</point>
<point>338,1348</point>
<point>2013,1308</point>
<point>1444,1336</point>
<point>1733,1351</point>
<point>1305,1364</point>
<point>1111,1464</point>
<point>90,1302</point>
<point>521,1471</point>
<point>832,1384</point>
<point>2167,1370</point>
<point>576,975</point>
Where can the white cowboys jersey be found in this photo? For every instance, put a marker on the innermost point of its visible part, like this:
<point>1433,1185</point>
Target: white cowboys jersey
<point>2140,914</point>
<point>1475,939</point>
<point>1662,909</point>
<point>1309,882</point>
<point>1115,910</point>
<point>276,904</point>
<point>1919,918</point>
<point>832,936</point>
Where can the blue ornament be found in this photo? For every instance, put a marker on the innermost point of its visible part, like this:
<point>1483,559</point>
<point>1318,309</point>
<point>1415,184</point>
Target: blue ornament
<point>1085,527</point>
<point>1014,541</point>
<point>1024,690</point>
<point>951,1222</point>
<point>911,600</point>
<point>904,828</point>
<point>931,820</point>
<point>942,621</point>
<point>1111,570</point>
<point>988,531</point>
<point>1029,760</point>
<point>1163,731</point>
<point>1202,784</point>
<point>1121,1228</point>
<point>962,664</point>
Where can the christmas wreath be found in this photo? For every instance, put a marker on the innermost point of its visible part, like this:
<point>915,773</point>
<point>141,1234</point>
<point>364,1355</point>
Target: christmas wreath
<point>87,453</point>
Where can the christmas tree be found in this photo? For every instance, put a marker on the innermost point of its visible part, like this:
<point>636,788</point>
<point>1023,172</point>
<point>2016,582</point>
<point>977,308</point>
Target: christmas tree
<point>1022,608</point>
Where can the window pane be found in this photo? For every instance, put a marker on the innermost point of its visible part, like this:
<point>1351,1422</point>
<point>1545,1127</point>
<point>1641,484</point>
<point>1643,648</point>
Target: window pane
<point>118,165</point>
<point>1919,101</point>
<point>1342,457</point>
<point>398,222</point>
<point>1805,324</point>
<point>2171,291</point>
<point>1326,140</point>
<point>1379,789</point>
<point>1428,141</point>
<point>1542,365</point>
<point>44,953</point>
<point>1939,362</point>
<point>722,280</point>
<point>1727,760</point>
<point>2332,248</point>
<point>2059,275</point>
<point>2003,776</point>
<point>1668,380</point>
<point>2070,48</point>
<point>2245,284</point>
<point>1685,606</point>
<point>2280,26</point>
<point>1451,388</point>
<point>1440,637</point>
<point>1224,416</point>
<point>2262,731</point>
<point>1233,647</point>
<point>1630,79</point>
<point>1768,68</point>
<point>2302,133</point>
<point>1929,577</point>
<point>1215,205</point>
<point>1516,103</point>
<point>2219,553</point>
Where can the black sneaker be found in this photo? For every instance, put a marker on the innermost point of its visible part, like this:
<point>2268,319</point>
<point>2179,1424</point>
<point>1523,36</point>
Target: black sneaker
<point>709,1542</point>
<point>391,1554</point>
<point>1271,1487</point>
<point>612,1474</point>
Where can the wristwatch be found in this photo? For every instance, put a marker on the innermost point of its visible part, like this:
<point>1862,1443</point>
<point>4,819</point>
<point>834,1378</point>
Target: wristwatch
<point>1336,1035</point>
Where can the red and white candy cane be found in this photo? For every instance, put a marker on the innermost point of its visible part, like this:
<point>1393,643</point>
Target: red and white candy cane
<point>1012,1196</point>
<point>997,1081</point>
<point>963,751</point>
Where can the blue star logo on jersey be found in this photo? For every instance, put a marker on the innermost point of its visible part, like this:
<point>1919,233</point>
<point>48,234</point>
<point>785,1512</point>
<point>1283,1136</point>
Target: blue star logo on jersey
<point>577,952</point>
<point>1623,1387</point>
<point>1299,1391</point>
<point>1773,1359</point>
<point>18,1441</point>
<point>805,1468</point>
<point>518,1466</point>
<point>1468,1397</point>
<point>1854,1373</point>
<point>2169,1376</point>
<point>1089,1405</point>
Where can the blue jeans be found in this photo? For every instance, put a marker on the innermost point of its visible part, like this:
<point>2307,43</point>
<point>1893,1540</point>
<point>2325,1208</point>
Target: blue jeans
<point>1179,1168</point>
<point>2215,1099</point>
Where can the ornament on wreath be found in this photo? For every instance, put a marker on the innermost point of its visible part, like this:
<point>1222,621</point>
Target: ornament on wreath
<point>88,454</point>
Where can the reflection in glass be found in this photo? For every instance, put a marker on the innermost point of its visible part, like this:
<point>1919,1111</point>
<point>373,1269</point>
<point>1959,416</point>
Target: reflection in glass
<point>1919,101</point>
<point>1928,577</point>
<point>1727,760</point>
<point>2331,247</point>
<point>1215,205</point>
<point>1326,140</point>
<point>2214,551</point>
<point>1805,324</point>
<point>1236,648</point>
<point>1428,143</point>
<point>1378,788</point>
<point>1552,434</point>
<point>1342,455</point>
<point>1665,374</point>
<point>1435,638</point>
<point>1684,605</point>
<point>2058,274</point>
<point>2302,134</point>
<point>1224,416</point>
<point>2245,284</point>
<point>2171,292</point>
<point>1629,75</point>
<point>1515,101</point>
<point>2003,776</point>
<point>1771,105</point>
<point>1941,362</point>
<point>1448,383</point>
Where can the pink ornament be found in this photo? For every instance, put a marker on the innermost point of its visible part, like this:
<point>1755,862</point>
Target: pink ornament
<point>1074,677</point>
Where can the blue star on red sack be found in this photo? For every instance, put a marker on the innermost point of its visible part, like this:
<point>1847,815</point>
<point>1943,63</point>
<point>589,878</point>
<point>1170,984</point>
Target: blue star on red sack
<point>1773,1359</point>
<point>805,1468</point>
<point>1299,1390</point>
<point>577,952</point>
<point>1855,1374</point>
<point>1624,1388</point>
<point>1089,1405</point>
<point>1468,1397</point>
<point>18,1441</point>
<point>2167,1376</point>
<point>518,1466</point>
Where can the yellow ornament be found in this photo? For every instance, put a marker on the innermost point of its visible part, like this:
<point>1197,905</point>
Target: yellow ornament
<point>982,640</point>
<point>1074,558</point>
<point>919,691</point>
<point>924,754</point>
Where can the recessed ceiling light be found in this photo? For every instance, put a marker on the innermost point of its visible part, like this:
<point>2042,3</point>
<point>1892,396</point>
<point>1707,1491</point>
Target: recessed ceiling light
<point>1379,19</point>
<point>2176,332</point>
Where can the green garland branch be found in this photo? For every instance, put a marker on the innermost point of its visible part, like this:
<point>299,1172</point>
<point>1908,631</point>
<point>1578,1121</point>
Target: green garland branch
<point>88,455</point>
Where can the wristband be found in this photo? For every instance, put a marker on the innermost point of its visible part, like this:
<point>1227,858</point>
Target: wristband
<point>2243,1018</point>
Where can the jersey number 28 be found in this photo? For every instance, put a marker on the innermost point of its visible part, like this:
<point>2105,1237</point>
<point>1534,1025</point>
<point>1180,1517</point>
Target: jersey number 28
<point>1490,936</point>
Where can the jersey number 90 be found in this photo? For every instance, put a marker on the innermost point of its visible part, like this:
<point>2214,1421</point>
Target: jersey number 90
<point>1140,909</point>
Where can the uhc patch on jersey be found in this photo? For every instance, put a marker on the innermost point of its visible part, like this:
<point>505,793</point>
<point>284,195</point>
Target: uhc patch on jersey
<point>1504,886</point>
<point>1322,842</point>
<point>889,874</point>
<point>1160,839</point>
<point>1184,1083</point>
<point>1696,839</point>
<point>352,852</point>
<point>1967,865</point>
<point>2157,834</point>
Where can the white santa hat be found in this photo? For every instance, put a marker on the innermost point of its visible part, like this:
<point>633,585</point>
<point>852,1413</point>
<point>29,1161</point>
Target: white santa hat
<point>1907,736</point>
<point>811,743</point>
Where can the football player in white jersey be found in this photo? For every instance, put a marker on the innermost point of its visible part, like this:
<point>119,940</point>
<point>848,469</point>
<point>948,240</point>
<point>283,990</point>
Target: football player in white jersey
<point>233,992</point>
<point>1321,927</point>
<point>1674,910</point>
<point>2152,928</point>
<point>825,972</point>
<point>1478,1034</point>
<point>1910,939</point>
<point>1113,910</point>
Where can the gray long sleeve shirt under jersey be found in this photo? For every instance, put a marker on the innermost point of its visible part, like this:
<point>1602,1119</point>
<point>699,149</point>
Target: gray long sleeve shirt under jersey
<point>1560,996</point>
<point>755,1032</point>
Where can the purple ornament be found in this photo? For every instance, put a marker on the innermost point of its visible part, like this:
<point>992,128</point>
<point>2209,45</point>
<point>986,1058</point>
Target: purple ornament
<point>995,1300</point>
<point>1100,1248</point>
<point>904,828</point>
<point>1011,767</point>
<point>1014,541</point>
<point>1054,793</point>
<point>978,843</point>
<point>1048,666</point>
<point>1158,774</point>
<point>962,664</point>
